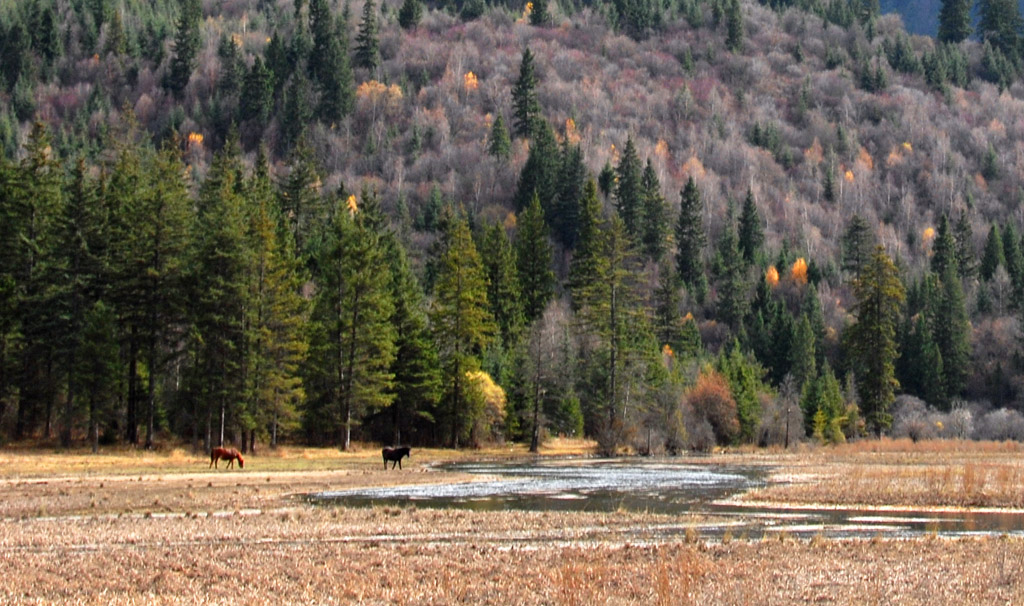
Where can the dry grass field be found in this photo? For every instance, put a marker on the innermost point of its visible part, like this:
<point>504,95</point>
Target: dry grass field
<point>160,528</point>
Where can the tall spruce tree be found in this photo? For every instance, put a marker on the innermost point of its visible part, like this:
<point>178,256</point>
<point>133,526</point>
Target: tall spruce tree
<point>629,189</point>
<point>582,268</point>
<point>872,339</point>
<point>410,14</point>
<point>533,259</point>
<point>654,212</point>
<point>355,339</point>
<point>368,38</point>
<point>526,107</point>
<point>992,257</point>
<point>462,325</point>
<point>186,47</point>
<point>572,175</point>
<point>954,21</point>
<point>499,146</point>
<point>857,244</point>
<point>952,333</point>
<point>539,175</point>
<point>690,236</point>
<point>503,292</point>
<point>751,233</point>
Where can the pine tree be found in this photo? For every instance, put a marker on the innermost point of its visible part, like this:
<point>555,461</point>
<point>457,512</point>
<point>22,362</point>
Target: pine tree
<point>606,179</point>
<point>540,16</point>
<point>732,296</point>
<point>462,325</point>
<point>410,14</point>
<point>96,367</point>
<point>298,111</point>
<point>526,107</point>
<point>944,249</point>
<point>802,353</point>
<point>744,375</point>
<point>503,292</point>
<point>355,339</point>
<point>1000,23</point>
<point>302,207</point>
<point>277,315</point>
<point>499,146</point>
<point>337,91</point>
<point>186,47</point>
<point>992,257</point>
<point>539,176</point>
<point>232,68</point>
<point>734,26</point>
<point>583,268</point>
<point>872,339</point>
<point>367,40</point>
<point>690,236</point>
<point>533,259</point>
<point>1014,263</point>
<point>257,94</point>
<point>954,21</point>
<point>963,233</point>
<point>654,211</point>
<point>572,175</point>
<point>751,234</point>
<point>629,188</point>
<point>857,244</point>
<point>952,333</point>
<point>668,323</point>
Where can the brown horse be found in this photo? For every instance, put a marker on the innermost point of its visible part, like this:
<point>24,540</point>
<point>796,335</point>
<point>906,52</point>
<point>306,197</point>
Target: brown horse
<point>395,454</point>
<point>226,454</point>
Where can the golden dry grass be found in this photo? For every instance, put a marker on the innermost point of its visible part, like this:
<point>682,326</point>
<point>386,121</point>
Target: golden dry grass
<point>159,528</point>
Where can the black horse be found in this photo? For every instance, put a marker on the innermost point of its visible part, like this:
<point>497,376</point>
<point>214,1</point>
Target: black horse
<point>395,454</point>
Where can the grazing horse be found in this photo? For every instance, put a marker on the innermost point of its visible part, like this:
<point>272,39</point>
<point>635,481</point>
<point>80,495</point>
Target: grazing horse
<point>395,454</point>
<point>226,454</point>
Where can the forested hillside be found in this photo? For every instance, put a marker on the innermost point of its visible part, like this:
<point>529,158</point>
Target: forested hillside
<point>665,225</point>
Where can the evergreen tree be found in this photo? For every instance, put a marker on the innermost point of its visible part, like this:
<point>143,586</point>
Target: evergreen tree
<point>734,26</point>
<point>417,378</point>
<point>629,189</point>
<point>802,353</point>
<point>963,233</point>
<point>277,316</point>
<point>503,292</point>
<point>952,332</point>
<point>751,234</point>
<point>731,273</point>
<point>302,206</point>
<point>257,96</point>
<point>654,211</point>
<point>919,368</point>
<point>690,236</point>
<point>337,91</point>
<point>1014,262</point>
<point>410,14</point>
<point>668,323</point>
<point>96,367</point>
<point>539,176</point>
<point>992,257</point>
<point>1000,24</point>
<point>526,107</point>
<point>232,68</point>
<point>367,40</point>
<point>954,21</point>
<point>218,270</point>
<point>606,179</point>
<point>354,339</point>
<point>857,244</point>
<point>572,175</point>
<point>298,111</point>
<point>498,143</point>
<point>462,325</point>
<point>533,259</point>
<point>944,249</point>
<point>540,16</point>
<point>744,375</point>
<point>186,47</point>
<point>872,339</point>
<point>583,268</point>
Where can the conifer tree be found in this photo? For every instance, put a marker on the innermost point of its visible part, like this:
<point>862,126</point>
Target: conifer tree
<point>503,292</point>
<point>367,40</point>
<point>744,375</point>
<point>963,233</point>
<point>690,236</point>
<point>583,268</point>
<point>572,175</point>
<point>410,14</point>
<point>992,257</point>
<point>802,353</point>
<point>96,367</point>
<point>668,323</point>
<point>954,21</point>
<point>629,188</point>
<point>355,339</point>
<point>498,143</point>
<point>751,234</point>
<point>277,316</point>
<point>539,175</point>
<point>540,16</point>
<point>533,259</point>
<point>654,211</point>
<point>1000,24</point>
<point>257,94</point>
<point>872,339</point>
<point>186,47</point>
<point>1014,262</point>
<point>525,103</point>
<point>732,296</point>
<point>337,91</point>
<point>952,333</point>
<point>944,249</point>
<point>734,26</point>
<point>857,244</point>
<point>606,179</point>
<point>462,325</point>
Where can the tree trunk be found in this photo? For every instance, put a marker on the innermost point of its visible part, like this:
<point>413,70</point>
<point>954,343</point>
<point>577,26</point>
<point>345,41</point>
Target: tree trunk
<point>151,394</point>
<point>132,430</point>
<point>252,441</point>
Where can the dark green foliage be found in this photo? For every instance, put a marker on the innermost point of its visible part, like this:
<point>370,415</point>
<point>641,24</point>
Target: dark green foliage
<point>637,18</point>
<point>525,104</point>
<point>410,14</point>
<point>503,292</point>
<point>900,54</point>
<point>954,21</point>
<point>690,236</point>
<point>472,9</point>
<point>367,52</point>
<point>952,331</point>
<point>572,174</point>
<point>334,81</point>
<point>1000,24</point>
<point>583,269</point>
<point>257,94</point>
<point>944,249</point>
<point>992,257</point>
<point>872,339</point>
<point>996,66</point>
<point>653,219</point>
<point>858,242</point>
<point>744,375</point>
<point>540,173</point>
<point>540,16</point>
<point>606,179</point>
<point>1014,258</point>
<point>232,68</point>
<point>731,275</point>
<point>733,26</point>
<point>629,189</point>
<point>186,47</point>
<point>919,368</point>
<point>298,111</point>
<point>498,143</point>
<point>990,164</point>
<point>963,234</point>
<point>751,233</point>
<point>533,260</point>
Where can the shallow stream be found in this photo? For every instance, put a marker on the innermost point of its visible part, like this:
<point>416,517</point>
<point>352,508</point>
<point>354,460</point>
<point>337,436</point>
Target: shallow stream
<point>704,492</point>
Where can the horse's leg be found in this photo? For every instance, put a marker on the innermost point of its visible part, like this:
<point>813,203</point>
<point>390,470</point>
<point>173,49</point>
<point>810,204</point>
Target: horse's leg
<point>399,462</point>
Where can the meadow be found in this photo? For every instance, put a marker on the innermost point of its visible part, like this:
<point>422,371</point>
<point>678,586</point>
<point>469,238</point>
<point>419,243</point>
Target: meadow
<point>129,527</point>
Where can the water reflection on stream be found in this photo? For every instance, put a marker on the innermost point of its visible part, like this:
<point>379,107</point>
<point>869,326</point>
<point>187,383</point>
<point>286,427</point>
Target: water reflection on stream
<point>662,486</point>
